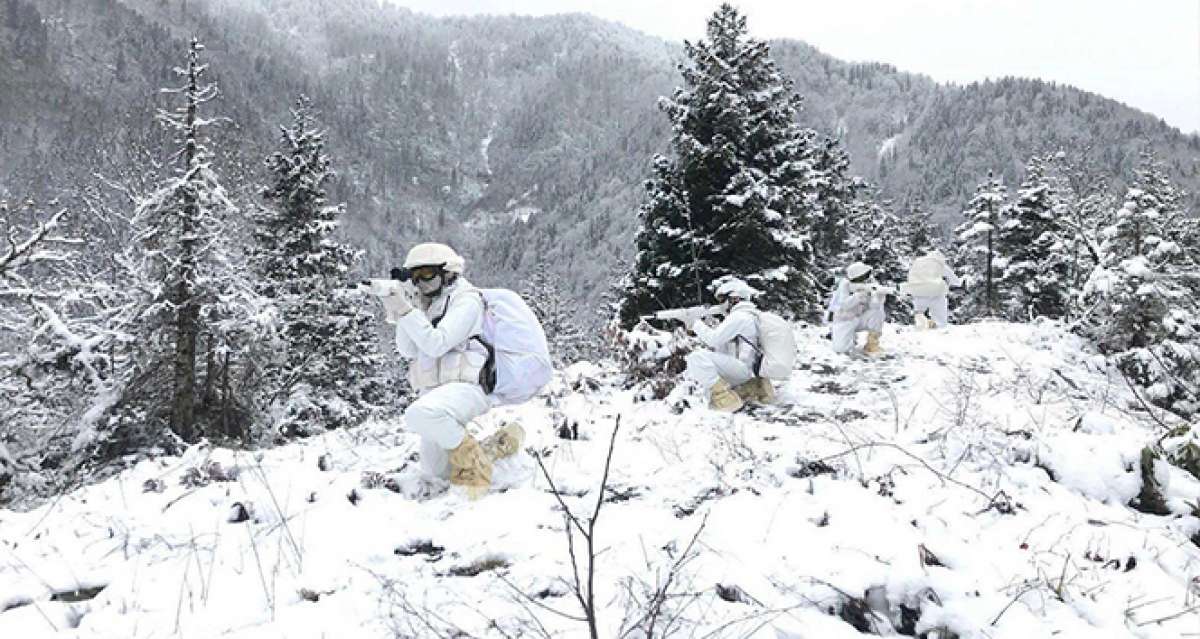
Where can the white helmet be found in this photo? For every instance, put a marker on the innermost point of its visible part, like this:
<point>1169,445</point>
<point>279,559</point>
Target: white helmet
<point>857,270</point>
<point>434,254</point>
<point>735,287</point>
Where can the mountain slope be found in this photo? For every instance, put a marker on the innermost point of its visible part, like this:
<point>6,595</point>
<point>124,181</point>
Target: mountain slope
<point>515,138</point>
<point>973,481</point>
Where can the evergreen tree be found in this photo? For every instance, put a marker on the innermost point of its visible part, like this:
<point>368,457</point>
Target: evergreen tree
<point>831,194</point>
<point>920,232</point>
<point>328,372</point>
<point>568,342</point>
<point>731,199</point>
<point>975,250</point>
<point>1087,203</point>
<point>1142,298</point>
<point>183,224</point>
<point>1033,249</point>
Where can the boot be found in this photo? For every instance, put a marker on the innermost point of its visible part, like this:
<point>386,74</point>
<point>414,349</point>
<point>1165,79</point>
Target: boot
<point>921,322</point>
<point>470,468</point>
<point>722,398</point>
<point>504,442</point>
<point>758,390</point>
<point>872,347</point>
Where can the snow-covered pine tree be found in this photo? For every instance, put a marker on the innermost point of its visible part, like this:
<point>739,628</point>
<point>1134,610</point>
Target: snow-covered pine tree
<point>568,342</point>
<point>1141,300</point>
<point>1032,247</point>
<point>184,221</point>
<point>328,372</point>
<point>975,251</point>
<point>831,194</point>
<point>1087,202</point>
<point>921,234</point>
<point>730,199</point>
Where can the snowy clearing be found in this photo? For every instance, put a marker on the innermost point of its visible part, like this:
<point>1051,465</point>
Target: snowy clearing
<point>972,482</point>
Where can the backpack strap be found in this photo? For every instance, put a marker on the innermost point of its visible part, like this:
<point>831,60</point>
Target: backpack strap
<point>758,351</point>
<point>487,374</point>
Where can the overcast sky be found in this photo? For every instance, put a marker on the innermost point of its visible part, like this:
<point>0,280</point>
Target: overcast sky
<point>1145,53</point>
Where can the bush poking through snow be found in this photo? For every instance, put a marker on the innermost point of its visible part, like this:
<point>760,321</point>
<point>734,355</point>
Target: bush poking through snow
<point>206,473</point>
<point>804,468</point>
<point>1150,499</point>
<point>432,551</point>
<point>476,568</point>
<point>1182,448</point>
<point>649,356</point>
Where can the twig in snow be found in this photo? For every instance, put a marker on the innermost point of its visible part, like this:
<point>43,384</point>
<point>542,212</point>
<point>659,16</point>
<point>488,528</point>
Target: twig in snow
<point>585,595</point>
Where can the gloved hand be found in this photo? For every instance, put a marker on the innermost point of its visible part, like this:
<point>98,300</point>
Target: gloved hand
<point>396,306</point>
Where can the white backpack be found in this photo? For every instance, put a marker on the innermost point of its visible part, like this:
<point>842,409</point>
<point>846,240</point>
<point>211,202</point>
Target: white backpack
<point>777,346</point>
<point>925,278</point>
<point>518,363</point>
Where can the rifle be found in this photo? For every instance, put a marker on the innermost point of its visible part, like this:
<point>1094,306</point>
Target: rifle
<point>396,284</point>
<point>872,288</point>
<point>686,315</point>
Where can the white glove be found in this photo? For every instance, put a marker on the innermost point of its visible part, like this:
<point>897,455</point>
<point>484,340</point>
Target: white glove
<point>396,306</point>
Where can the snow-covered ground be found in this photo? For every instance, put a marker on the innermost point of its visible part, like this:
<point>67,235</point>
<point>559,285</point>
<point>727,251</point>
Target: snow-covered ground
<point>971,483</point>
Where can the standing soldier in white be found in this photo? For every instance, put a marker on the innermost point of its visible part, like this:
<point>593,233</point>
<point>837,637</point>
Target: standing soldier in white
<point>857,305</point>
<point>735,348</point>
<point>438,330</point>
<point>929,279</point>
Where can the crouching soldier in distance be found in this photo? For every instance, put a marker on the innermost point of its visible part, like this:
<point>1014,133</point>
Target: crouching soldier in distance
<point>735,348</point>
<point>439,316</point>
<point>856,306</point>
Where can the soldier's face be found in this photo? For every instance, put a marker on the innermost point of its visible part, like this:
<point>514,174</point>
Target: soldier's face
<point>430,287</point>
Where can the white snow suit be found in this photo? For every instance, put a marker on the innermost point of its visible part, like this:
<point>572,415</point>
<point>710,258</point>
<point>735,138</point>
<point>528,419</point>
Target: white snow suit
<point>444,368</point>
<point>929,295</point>
<point>853,311</point>
<point>732,358</point>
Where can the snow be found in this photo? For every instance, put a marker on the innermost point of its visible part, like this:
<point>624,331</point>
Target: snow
<point>887,148</point>
<point>485,145</point>
<point>523,213</point>
<point>977,475</point>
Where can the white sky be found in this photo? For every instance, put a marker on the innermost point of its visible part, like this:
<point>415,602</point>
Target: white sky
<point>1145,53</point>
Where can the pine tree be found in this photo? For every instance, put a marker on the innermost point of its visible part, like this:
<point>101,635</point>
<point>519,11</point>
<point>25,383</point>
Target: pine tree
<point>1087,201</point>
<point>568,342</point>
<point>975,250</point>
<point>831,194</point>
<point>920,232</point>
<point>328,372</point>
<point>730,200</point>
<point>1142,297</point>
<point>1033,249</point>
<point>183,224</point>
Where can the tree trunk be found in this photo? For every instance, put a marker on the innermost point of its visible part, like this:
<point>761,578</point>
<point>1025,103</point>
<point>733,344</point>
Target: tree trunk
<point>208,398</point>
<point>990,307</point>
<point>183,404</point>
